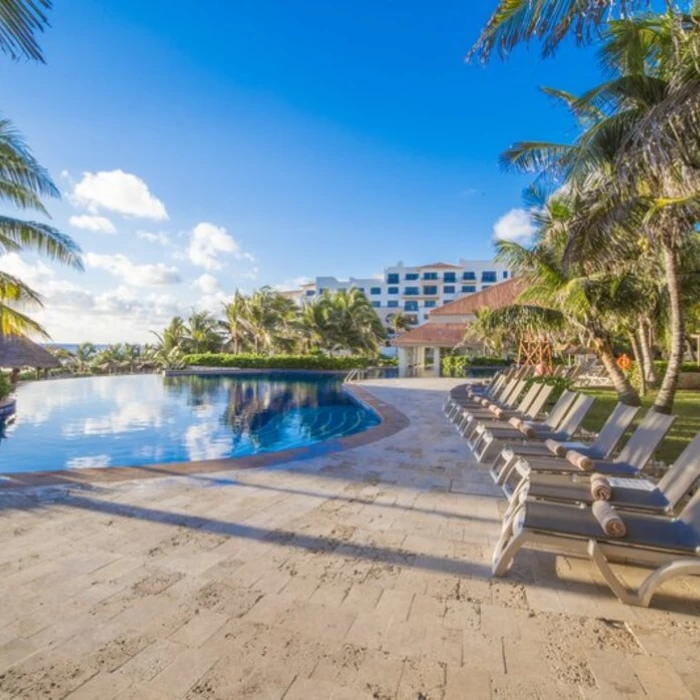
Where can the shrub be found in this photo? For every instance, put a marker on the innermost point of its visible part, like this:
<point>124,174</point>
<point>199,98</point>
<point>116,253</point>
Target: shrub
<point>5,386</point>
<point>661,366</point>
<point>559,383</point>
<point>310,362</point>
<point>463,365</point>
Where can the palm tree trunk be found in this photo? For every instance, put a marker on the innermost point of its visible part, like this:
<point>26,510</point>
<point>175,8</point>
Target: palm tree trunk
<point>626,393</point>
<point>667,392</point>
<point>652,378</point>
<point>637,351</point>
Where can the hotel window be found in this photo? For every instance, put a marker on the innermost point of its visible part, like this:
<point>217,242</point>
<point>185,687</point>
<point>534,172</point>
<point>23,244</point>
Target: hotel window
<point>449,289</point>
<point>376,304</point>
<point>321,290</point>
<point>361,289</point>
<point>468,289</point>
<point>375,290</point>
<point>310,292</point>
<point>392,290</point>
<point>430,275</point>
<point>469,276</point>
<point>488,276</point>
<point>430,289</point>
<point>412,291</point>
<point>450,277</point>
<point>411,276</point>
<point>410,306</point>
<point>392,278</point>
<point>413,319</point>
<point>393,304</point>
<point>429,303</point>
<point>505,274</point>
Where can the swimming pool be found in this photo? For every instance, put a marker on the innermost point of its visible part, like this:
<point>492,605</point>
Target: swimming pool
<point>148,419</point>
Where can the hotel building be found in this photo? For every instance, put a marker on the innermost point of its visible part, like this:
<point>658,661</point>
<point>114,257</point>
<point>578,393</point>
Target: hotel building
<point>413,291</point>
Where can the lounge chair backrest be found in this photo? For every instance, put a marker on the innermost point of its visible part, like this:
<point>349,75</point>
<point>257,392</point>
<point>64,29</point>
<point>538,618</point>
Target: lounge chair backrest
<point>495,386</point>
<point>681,477</point>
<point>563,404</point>
<point>645,439</point>
<point>540,400</point>
<point>690,515</point>
<point>509,398</point>
<point>614,428</point>
<point>504,390</point>
<point>528,398</point>
<point>578,412</point>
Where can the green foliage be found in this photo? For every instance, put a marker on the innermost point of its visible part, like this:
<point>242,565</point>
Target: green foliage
<point>560,384</point>
<point>5,386</point>
<point>691,367</point>
<point>463,365</point>
<point>310,362</point>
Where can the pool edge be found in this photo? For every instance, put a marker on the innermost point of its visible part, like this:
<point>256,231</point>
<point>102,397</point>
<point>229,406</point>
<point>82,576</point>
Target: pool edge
<point>392,421</point>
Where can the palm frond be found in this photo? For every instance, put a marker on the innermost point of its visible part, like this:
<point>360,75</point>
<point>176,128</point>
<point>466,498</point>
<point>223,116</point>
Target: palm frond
<point>20,20</point>
<point>43,239</point>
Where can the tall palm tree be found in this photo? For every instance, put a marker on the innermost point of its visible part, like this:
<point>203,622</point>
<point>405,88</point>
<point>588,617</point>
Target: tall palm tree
<point>23,182</point>
<point>20,20</point>
<point>201,333</point>
<point>234,321</point>
<point>635,162</point>
<point>84,355</point>
<point>398,322</point>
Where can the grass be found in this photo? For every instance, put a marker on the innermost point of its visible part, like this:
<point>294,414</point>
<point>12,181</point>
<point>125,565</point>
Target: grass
<point>686,425</point>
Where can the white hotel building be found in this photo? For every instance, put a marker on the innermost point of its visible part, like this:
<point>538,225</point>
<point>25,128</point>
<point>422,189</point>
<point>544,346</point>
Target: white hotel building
<point>414,291</point>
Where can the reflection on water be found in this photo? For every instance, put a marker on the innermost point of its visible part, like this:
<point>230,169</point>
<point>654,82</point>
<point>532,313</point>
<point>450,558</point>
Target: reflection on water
<point>146,419</point>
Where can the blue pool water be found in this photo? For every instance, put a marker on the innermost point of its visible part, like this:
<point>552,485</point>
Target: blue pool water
<point>148,419</point>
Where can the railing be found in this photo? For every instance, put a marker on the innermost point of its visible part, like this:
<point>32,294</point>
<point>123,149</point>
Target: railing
<point>358,375</point>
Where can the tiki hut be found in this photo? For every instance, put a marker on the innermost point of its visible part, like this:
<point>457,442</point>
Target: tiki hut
<point>17,352</point>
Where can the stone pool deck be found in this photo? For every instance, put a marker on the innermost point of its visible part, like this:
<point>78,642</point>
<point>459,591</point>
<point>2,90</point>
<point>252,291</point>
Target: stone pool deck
<point>358,574</point>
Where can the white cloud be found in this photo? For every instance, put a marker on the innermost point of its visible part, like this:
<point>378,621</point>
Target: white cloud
<point>119,192</point>
<point>207,283</point>
<point>138,275</point>
<point>516,225</point>
<point>161,237</point>
<point>73,313</point>
<point>100,224</point>
<point>208,243</point>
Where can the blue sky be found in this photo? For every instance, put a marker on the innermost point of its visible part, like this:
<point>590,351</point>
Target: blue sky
<point>248,143</point>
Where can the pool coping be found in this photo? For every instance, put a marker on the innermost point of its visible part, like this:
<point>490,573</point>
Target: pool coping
<point>392,422</point>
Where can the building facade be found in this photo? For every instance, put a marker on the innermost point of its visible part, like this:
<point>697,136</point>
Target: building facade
<point>414,291</point>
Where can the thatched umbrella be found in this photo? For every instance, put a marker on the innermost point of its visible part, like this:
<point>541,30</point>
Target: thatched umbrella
<point>17,352</point>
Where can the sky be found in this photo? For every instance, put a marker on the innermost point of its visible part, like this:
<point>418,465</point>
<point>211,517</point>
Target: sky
<point>203,147</point>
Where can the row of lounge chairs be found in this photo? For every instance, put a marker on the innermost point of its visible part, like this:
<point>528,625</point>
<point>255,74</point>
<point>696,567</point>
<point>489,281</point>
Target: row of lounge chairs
<point>572,497</point>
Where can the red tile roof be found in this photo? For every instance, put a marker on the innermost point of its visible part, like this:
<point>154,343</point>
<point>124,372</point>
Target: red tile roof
<point>495,297</point>
<point>442,335</point>
<point>440,266</point>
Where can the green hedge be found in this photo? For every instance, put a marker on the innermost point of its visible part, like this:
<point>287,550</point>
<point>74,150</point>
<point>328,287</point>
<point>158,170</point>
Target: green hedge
<point>685,367</point>
<point>461,365</point>
<point>5,386</point>
<point>317,362</point>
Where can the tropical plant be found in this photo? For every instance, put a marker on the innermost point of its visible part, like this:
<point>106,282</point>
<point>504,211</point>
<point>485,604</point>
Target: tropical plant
<point>398,322</point>
<point>634,166</point>
<point>20,20</point>
<point>23,182</point>
<point>201,334</point>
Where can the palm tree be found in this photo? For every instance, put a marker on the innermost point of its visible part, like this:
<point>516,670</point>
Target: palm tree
<point>174,336</point>
<point>84,355</point>
<point>201,333</point>
<point>23,182</point>
<point>590,299</point>
<point>353,324</point>
<point>234,321</point>
<point>636,160</point>
<point>398,322</point>
<point>19,22</point>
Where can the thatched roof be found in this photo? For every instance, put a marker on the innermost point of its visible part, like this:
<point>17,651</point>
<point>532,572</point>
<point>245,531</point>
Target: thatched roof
<point>17,352</point>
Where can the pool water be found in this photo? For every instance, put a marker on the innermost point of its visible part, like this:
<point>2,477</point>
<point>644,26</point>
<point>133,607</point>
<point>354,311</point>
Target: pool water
<point>149,419</point>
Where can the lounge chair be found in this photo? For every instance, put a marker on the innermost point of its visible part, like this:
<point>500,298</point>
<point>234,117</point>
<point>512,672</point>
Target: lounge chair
<point>627,494</point>
<point>601,448</point>
<point>629,463</point>
<point>507,397</point>
<point>510,404</point>
<point>463,394</point>
<point>670,545</point>
<point>489,441</point>
<point>528,409</point>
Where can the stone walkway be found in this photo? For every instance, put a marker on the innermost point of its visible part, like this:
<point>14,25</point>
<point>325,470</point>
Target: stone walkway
<point>363,574</point>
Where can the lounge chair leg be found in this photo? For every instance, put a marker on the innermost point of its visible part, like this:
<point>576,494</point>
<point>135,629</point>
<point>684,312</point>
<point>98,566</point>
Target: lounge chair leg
<point>514,502</point>
<point>616,586</point>
<point>498,473</point>
<point>507,546</point>
<point>665,573</point>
